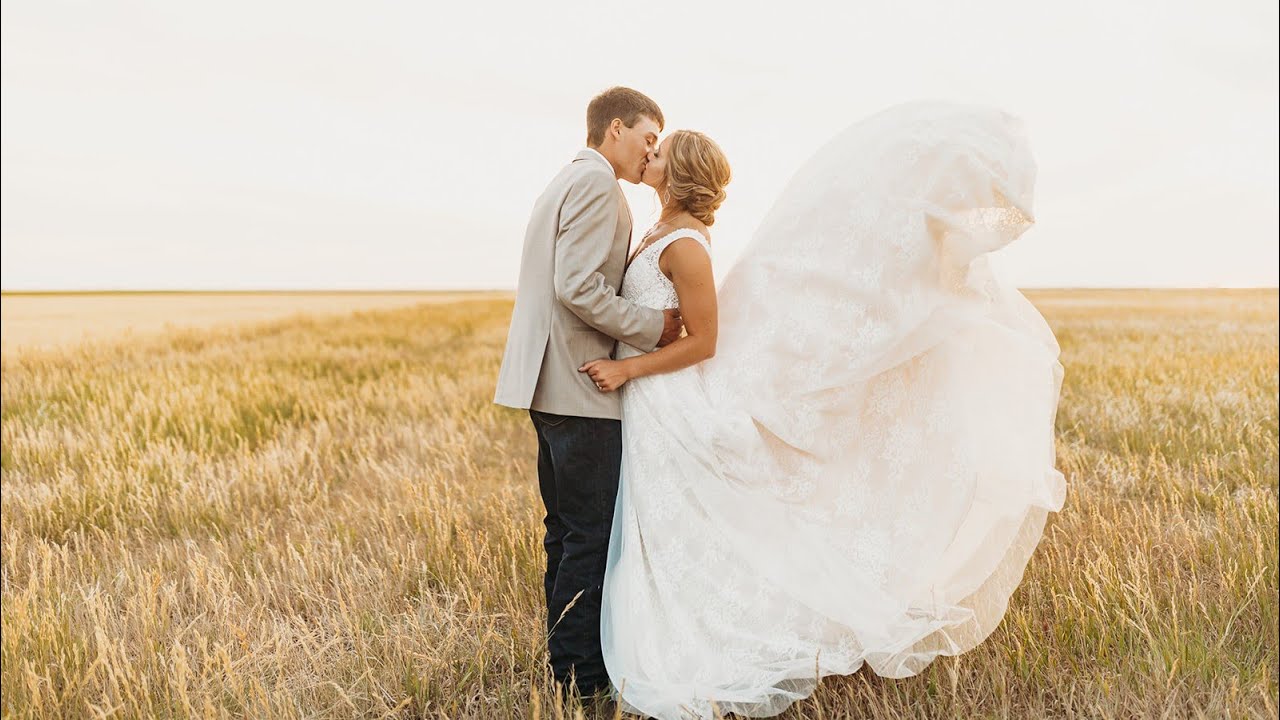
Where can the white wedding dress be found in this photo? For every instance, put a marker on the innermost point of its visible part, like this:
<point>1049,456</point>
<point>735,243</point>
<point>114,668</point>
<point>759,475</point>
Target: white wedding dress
<point>863,470</point>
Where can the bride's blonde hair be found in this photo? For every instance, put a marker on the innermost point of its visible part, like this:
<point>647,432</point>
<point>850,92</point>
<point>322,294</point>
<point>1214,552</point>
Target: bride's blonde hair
<point>697,172</point>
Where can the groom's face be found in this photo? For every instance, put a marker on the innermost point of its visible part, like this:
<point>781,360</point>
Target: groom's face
<point>634,146</point>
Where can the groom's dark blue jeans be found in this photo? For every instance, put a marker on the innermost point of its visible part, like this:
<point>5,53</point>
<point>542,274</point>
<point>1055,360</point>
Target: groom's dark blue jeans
<point>578,463</point>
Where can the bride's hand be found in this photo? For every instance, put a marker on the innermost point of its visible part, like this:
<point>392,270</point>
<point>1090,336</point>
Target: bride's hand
<point>608,375</point>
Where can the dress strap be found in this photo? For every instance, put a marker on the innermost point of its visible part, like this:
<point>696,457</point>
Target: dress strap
<point>677,234</point>
<point>662,243</point>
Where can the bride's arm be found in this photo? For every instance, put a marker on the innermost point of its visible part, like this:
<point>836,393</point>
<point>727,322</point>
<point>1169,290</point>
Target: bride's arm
<point>690,271</point>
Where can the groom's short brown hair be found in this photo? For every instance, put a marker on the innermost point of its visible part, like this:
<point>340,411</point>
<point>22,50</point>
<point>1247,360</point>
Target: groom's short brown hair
<point>619,102</point>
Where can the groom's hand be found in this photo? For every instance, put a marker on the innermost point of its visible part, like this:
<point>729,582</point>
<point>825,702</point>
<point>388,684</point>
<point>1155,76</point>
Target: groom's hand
<point>672,326</point>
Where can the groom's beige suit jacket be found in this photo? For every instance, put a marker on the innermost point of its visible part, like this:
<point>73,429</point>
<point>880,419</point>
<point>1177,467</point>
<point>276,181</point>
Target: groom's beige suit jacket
<point>568,309</point>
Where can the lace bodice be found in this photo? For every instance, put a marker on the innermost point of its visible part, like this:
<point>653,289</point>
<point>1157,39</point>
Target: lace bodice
<point>644,284</point>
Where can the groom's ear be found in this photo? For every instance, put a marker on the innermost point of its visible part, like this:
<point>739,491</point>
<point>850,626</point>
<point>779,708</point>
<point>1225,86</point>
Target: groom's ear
<point>615,128</point>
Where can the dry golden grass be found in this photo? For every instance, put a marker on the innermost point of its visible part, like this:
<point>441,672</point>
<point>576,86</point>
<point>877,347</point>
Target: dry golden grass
<point>42,320</point>
<point>327,517</point>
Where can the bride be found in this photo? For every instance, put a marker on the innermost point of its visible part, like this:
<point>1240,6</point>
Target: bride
<point>849,458</point>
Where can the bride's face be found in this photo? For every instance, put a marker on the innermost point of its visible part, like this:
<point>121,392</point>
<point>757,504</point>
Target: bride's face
<point>655,173</point>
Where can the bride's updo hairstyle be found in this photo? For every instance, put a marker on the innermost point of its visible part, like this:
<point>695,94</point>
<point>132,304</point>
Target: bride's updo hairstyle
<point>697,172</point>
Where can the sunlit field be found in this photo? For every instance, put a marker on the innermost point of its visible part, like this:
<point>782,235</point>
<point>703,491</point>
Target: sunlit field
<point>325,516</point>
<point>41,319</point>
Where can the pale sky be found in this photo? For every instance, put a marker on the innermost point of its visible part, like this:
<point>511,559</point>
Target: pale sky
<point>226,145</point>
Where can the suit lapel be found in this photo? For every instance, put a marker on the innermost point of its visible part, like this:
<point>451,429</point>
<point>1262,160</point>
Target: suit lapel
<point>589,155</point>
<point>622,198</point>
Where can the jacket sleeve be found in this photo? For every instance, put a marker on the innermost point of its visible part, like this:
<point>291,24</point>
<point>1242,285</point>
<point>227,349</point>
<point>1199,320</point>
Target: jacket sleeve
<point>584,238</point>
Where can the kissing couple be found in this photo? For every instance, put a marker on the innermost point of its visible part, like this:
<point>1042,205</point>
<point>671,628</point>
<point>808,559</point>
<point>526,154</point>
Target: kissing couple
<point>843,456</point>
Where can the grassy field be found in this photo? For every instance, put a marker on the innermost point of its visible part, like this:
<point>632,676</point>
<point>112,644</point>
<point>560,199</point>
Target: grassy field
<point>326,517</point>
<point>34,320</point>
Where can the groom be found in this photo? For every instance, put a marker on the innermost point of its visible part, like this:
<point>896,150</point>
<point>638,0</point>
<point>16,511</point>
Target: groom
<point>568,312</point>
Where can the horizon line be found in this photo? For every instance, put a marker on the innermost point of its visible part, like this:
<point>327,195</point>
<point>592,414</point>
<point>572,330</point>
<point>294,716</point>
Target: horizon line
<point>391,291</point>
